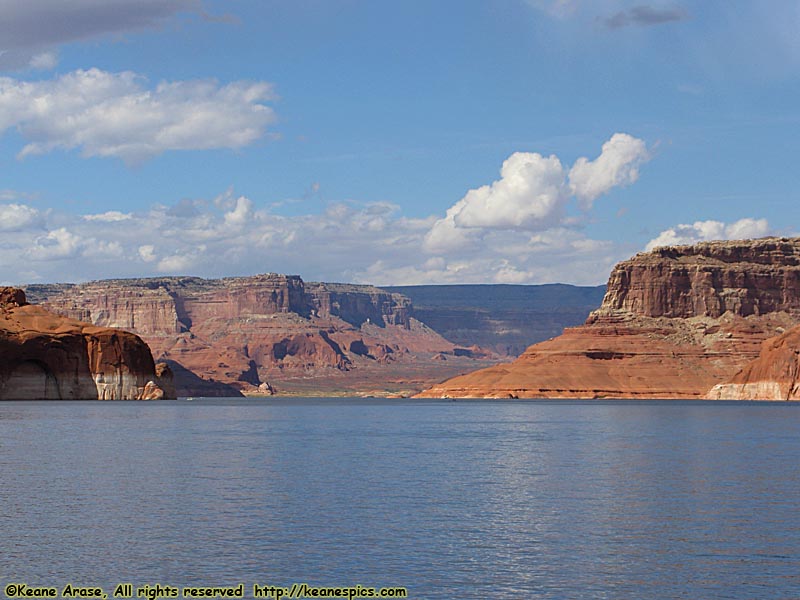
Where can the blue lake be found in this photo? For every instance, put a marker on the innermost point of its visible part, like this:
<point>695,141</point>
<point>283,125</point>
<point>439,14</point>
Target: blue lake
<point>483,500</point>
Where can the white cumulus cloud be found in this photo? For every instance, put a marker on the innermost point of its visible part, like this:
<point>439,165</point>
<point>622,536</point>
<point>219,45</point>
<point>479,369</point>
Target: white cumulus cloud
<point>118,115</point>
<point>703,231</point>
<point>617,165</point>
<point>445,236</point>
<point>14,217</point>
<point>56,244</point>
<point>533,192</point>
<point>241,213</point>
<point>530,194</point>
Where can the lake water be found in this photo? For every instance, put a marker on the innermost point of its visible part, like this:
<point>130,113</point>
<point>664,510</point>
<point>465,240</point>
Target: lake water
<point>483,500</point>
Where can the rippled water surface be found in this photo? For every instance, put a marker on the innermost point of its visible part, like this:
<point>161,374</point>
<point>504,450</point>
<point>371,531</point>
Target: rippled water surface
<point>483,500</point>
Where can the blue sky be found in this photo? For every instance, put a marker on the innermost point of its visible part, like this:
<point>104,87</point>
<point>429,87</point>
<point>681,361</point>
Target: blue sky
<point>366,141</point>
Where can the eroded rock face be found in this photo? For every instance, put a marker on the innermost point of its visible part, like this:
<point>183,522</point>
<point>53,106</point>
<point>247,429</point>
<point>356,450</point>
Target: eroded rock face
<point>773,375</point>
<point>357,304</point>
<point>754,277</point>
<point>674,322</point>
<point>228,336</point>
<point>49,357</point>
<point>11,297</point>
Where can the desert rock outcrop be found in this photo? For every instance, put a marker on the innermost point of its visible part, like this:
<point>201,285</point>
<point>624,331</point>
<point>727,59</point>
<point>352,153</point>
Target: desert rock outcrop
<point>774,375</point>
<point>674,322</point>
<point>230,336</point>
<point>45,356</point>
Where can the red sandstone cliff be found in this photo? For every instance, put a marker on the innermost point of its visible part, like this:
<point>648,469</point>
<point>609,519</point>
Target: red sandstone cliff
<point>674,322</point>
<point>50,357</point>
<point>747,277</point>
<point>774,375</point>
<point>243,334</point>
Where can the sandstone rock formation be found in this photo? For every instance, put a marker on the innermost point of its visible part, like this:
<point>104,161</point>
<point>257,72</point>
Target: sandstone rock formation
<point>674,322</point>
<point>748,277</point>
<point>44,356</point>
<point>774,375</point>
<point>231,336</point>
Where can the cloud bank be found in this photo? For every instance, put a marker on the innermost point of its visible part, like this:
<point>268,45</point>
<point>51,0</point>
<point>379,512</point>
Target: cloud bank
<point>117,115</point>
<point>513,230</point>
<point>230,235</point>
<point>517,229</point>
<point>363,243</point>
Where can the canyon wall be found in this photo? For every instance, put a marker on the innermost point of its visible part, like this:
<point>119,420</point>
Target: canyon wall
<point>45,356</point>
<point>359,304</point>
<point>674,323</point>
<point>165,306</point>
<point>255,334</point>
<point>754,277</point>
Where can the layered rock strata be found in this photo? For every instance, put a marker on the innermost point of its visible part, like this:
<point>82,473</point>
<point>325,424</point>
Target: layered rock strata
<point>744,278</point>
<point>231,336</point>
<point>774,375</point>
<point>674,322</point>
<point>45,356</point>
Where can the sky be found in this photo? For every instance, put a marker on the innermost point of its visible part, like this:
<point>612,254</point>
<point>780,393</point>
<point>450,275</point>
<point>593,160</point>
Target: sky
<point>367,141</point>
